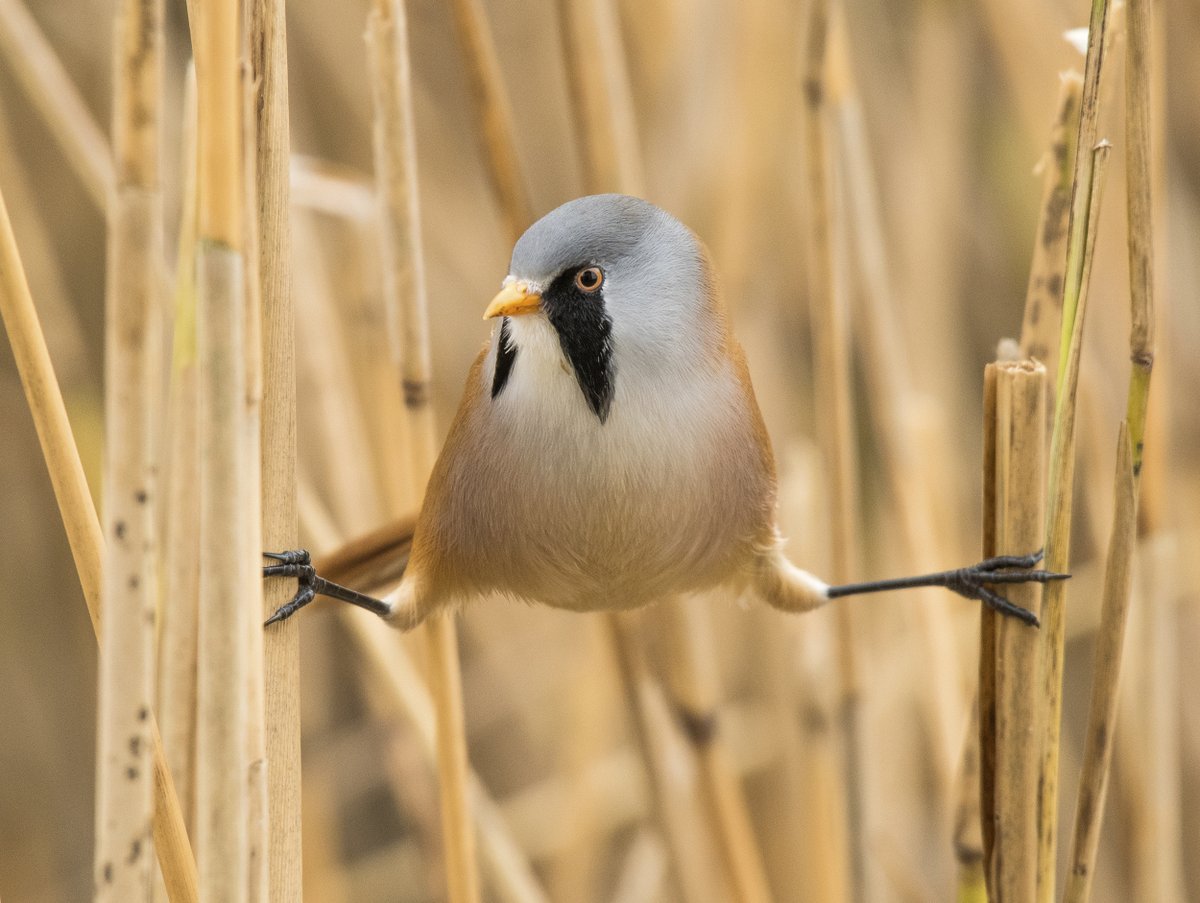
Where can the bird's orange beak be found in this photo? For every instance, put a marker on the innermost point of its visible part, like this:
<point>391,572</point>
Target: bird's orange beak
<point>514,300</point>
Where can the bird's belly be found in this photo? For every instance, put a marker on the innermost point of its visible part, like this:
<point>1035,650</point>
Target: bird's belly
<point>585,516</point>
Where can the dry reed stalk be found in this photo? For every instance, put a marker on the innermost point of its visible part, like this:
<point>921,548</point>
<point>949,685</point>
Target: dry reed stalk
<point>1093,782</point>
<point>1017,499</point>
<point>498,130</point>
<point>57,100</point>
<point>404,292</point>
<point>1044,294</point>
<point>602,100</point>
<point>644,872</point>
<point>1102,715</point>
<point>281,645</point>
<point>250,446</point>
<point>181,568</point>
<point>83,528</point>
<point>834,404</point>
<point>651,733</point>
<point>692,681</point>
<point>1080,249</point>
<point>893,401</point>
<point>228,560</point>
<point>509,874</point>
<point>123,865</point>
<point>328,188</point>
<point>970,881</point>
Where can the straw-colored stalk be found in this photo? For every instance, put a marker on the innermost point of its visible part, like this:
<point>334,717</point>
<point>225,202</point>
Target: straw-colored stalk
<point>1017,392</point>
<point>908,462</point>
<point>970,881</point>
<point>1118,577</point>
<point>1044,294</point>
<point>601,98</point>
<point>692,680</point>
<point>498,128</point>
<point>1080,250</point>
<point>250,447</point>
<point>281,644</point>
<point>831,354</point>
<point>82,528</point>
<point>124,778</point>
<point>1102,714</point>
<point>57,100</point>
<point>228,558</point>
<point>404,288</point>
<point>181,569</point>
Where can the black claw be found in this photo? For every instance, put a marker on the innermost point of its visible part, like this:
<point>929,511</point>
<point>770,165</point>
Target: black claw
<point>294,556</point>
<point>303,596</point>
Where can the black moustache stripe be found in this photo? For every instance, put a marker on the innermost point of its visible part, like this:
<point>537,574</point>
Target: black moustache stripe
<point>506,356</point>
<point>585,335</point>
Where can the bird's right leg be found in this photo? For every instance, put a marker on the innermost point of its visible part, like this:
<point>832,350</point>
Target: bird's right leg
<point>298,563</point>
<point>404,608</point>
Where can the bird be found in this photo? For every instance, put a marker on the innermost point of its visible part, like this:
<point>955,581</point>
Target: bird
<point>608,451</point>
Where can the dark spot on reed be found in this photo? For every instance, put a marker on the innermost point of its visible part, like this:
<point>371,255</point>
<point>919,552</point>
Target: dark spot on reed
<point>700,727</point>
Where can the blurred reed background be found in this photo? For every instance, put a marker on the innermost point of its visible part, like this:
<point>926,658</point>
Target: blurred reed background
<point>921,137</point>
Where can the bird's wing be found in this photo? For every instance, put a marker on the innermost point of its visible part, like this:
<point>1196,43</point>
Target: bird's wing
<point>373,562</point>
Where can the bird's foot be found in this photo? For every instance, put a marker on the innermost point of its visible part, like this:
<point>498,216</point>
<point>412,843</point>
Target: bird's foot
<point>298,563</point>
<point>972,582</point>
<point>294,563</point>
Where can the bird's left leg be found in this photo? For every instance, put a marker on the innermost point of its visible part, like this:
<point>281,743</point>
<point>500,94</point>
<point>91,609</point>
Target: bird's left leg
<point>786,587</point>
<point>298,564</point>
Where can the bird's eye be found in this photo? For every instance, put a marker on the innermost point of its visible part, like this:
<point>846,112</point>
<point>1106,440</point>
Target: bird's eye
<point>589,279</point>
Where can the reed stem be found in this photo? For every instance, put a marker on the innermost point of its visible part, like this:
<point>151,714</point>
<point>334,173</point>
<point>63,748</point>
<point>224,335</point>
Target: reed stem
<point>404,288</point>
<point>281,645</point>
<point>83,529</point>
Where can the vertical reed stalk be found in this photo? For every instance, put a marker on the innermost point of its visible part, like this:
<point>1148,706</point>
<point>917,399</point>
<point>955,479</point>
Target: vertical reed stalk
<point>181,578</point>
<point>1017,499</point>
<point>281,645</point>
<point>495,115</point>
<point>1044,294</point>
<point>692,679</point>
<point>228,560</point>
<point>83,529</point>
<point>1118,577</point>
<point>1080,250</point>
<point>601,98</point>
<point>123,864</point>
<point>971,883</point>
<point>827,309</point>
<point>52,92</point>
<point>404,282</point>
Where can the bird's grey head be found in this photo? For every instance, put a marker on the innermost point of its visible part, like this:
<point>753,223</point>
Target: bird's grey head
<point>623,284</point>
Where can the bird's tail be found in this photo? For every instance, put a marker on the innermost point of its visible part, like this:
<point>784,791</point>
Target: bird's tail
<point>374,562</point>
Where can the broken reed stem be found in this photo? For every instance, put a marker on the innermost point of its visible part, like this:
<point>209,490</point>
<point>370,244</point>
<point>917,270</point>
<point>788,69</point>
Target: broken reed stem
<point>1118,576</point>
<point>83,528</point>
<point>498,130</point>
<point>827,310</point>
<point>1058,521</point>
<point>267,47</point>
<point>1044,293</point>
<point>181,569</point>
<point>228,557</point>
<point>404,293</point>
<point>692,680</point>
<point>56,99</point>
<point>123,864</point>
<point>1016,505</point>
<point>1102,714</point>
<point>601,97</point>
